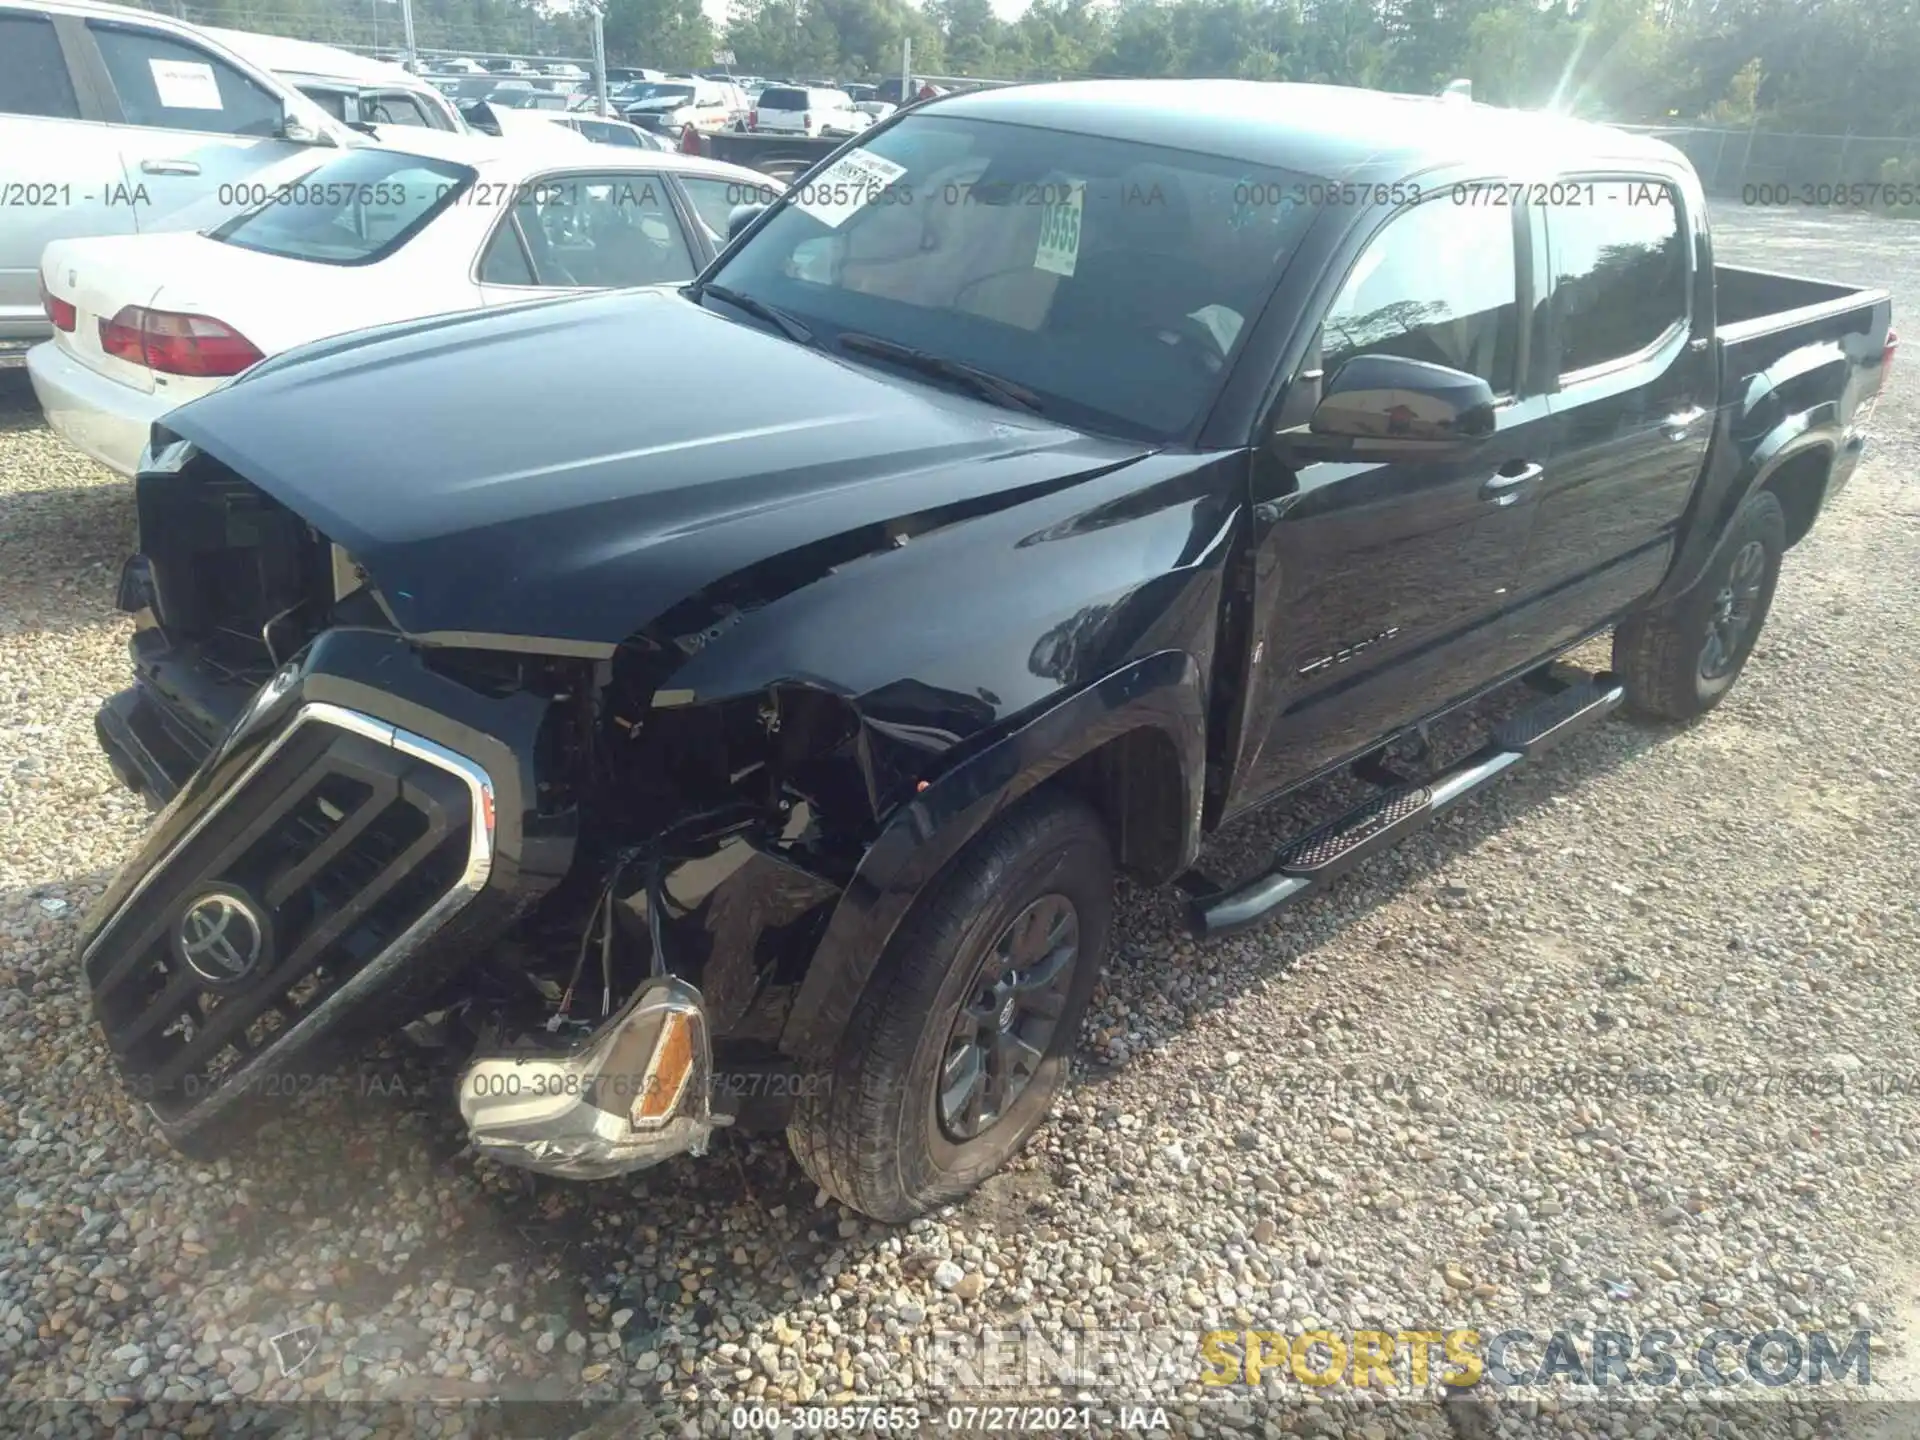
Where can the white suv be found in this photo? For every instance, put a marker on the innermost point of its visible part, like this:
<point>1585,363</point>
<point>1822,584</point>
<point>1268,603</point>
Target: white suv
<point>789,110</point>
<point>120,122</point>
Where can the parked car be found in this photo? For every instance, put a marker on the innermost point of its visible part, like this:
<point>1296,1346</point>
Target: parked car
<point>668,106</point>
<point>789,111</point>
<point>530,99</point>
<point>374,235</point>
<point>349,87</point>
<point>460,66</point>
<point>116,122</point>
<point>604,131</point>
<point>507,120</point>
<point>565,70</point>
<point>806,649</point>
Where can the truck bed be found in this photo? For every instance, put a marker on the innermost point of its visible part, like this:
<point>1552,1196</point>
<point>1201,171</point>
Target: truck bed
<point>1785,329</point>
<point>1756,302</point>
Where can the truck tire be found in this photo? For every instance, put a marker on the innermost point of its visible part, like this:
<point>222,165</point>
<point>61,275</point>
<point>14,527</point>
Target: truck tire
<point>986,979</point>
<point>1680,659</point>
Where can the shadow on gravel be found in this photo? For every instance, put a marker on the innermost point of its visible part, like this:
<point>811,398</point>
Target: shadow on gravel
<point>366,1183</point>
<point>19,409</point>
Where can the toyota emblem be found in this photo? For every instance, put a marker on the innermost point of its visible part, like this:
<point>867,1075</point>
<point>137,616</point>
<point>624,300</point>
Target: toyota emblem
<point>221,937</point>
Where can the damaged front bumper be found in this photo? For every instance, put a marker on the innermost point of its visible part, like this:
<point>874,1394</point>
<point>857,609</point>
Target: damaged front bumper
<point>635,1092</point>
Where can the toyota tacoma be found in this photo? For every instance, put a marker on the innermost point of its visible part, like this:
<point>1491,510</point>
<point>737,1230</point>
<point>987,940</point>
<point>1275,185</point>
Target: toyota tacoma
<point>769,678</point>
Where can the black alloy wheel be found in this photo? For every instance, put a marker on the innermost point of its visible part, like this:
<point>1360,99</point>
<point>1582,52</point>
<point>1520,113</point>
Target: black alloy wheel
<point>1734,609</point>
<point>1003,1033</point>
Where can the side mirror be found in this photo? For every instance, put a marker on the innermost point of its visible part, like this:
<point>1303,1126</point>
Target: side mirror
<point>1385,406</point>
<point>741,217</point>
<point>296,131</point>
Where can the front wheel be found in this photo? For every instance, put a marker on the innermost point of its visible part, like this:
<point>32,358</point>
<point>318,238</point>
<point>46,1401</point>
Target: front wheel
<point>1679,660</point>
<point>961,1042</point>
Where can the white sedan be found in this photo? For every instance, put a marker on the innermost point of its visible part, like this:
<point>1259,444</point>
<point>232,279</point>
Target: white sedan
<point>144,323</point>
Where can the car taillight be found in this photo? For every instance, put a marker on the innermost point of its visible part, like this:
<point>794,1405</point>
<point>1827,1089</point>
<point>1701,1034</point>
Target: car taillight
<point>806,119</point>
<point>176,344</point>
<point>60,312</point>
<point>753,119</point>
<point>1887,352</point>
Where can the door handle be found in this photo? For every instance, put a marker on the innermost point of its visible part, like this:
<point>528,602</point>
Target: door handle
<point>1680,426</point>
<point>1503,486</point>
<point>169,167</point>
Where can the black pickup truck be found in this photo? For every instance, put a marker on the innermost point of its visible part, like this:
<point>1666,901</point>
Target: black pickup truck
<point>733,704</point>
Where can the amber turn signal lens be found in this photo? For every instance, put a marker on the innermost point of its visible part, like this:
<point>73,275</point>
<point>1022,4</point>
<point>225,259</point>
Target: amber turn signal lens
<point>667,1074</point>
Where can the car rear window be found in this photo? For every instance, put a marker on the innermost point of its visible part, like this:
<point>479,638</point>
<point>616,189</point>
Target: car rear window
<point>353,210</point>
<point>780,98</point>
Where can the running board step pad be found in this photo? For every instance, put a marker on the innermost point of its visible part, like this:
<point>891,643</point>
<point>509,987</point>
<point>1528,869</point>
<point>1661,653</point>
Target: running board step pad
<point>1332,849</point>
<point>1547,722</point>
<point>1377,823</point>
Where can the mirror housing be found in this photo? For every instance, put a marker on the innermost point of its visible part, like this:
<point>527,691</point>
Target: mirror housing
<point>296,131</point>
<point>1384,406</point>
<point>742,216</point>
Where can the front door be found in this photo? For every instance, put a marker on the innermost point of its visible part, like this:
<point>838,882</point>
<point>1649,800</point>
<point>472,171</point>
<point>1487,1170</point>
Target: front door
<point>1380,588</point>
<point>199,140</point>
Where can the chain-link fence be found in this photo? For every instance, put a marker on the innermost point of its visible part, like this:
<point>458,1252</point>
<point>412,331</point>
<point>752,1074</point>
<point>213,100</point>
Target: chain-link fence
<point>1732,161</point>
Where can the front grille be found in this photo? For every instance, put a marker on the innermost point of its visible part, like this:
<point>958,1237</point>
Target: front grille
<point>338,848</point>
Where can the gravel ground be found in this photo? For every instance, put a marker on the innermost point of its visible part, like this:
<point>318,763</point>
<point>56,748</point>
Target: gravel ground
<point>1326,1122</point>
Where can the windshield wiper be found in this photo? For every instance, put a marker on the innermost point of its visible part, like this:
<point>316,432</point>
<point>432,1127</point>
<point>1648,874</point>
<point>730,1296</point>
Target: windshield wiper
<point>772,314</point>
<point>982,383</point>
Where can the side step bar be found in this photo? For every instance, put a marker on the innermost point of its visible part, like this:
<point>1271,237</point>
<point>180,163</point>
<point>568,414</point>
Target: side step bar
<point>1336,847</point>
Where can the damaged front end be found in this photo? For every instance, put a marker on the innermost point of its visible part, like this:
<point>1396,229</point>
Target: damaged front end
<point>560,741</point>
<point>606,906</point>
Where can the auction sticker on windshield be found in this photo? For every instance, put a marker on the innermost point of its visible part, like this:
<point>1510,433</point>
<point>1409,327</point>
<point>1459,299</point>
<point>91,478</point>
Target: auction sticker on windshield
<point>1058,249</point>
<point>847,186</point>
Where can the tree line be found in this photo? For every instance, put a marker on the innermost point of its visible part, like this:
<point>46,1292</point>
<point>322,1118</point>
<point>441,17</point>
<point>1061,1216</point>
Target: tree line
<point>1827,66</point>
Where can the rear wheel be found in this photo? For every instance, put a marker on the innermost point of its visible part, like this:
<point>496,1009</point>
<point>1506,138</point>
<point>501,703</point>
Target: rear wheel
<point>961,1043</point>
<point>1679,660</point>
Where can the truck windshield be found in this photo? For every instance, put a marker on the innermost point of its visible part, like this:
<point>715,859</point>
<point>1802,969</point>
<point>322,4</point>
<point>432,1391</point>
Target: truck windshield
<point>1113,281</point>
<point>353,210</point>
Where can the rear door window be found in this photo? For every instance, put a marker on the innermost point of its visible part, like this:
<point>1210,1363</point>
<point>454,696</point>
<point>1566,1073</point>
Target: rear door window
<point>33,72</point>
<point>603,232</point>
<point>170,85</point>
<point>1619,272</point>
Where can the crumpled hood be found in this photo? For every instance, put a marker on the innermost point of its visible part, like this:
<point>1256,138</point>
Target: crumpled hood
<point>567,471</point>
